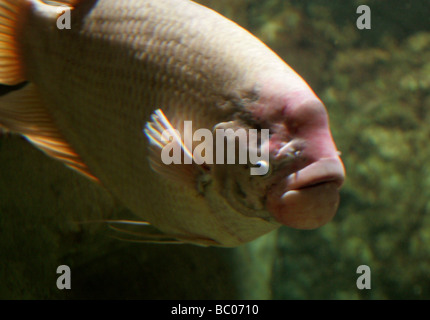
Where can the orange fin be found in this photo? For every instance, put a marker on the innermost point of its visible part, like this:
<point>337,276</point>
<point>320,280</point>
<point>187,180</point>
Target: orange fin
<point>21,111</point>
<point>11,71</point>
<point>11,68</point>
<point>191,174</point>
<point>68,3</point>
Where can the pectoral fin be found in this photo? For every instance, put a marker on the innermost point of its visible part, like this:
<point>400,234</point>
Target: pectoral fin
<point>169,155</point>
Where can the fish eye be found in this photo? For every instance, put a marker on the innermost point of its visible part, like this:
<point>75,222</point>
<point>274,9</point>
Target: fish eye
<point>266,165</point>
<point>297,153</point>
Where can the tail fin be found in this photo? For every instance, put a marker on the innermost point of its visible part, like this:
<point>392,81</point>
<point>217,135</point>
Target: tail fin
<point>11,71</point>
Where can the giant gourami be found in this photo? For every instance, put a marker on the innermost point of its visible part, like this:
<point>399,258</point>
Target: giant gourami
<point>100,92</point>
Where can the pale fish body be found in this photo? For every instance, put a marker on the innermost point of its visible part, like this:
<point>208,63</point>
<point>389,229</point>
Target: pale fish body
<point>93,88</point>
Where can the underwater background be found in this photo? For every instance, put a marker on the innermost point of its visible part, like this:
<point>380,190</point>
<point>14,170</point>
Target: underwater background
<point>376,87</point>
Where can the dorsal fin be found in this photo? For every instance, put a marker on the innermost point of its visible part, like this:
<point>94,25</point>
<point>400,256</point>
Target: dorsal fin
<point>22,111</point>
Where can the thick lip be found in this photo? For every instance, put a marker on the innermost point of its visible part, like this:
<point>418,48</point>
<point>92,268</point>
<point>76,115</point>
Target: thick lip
<point>322,171</point>
<point>308,198</point>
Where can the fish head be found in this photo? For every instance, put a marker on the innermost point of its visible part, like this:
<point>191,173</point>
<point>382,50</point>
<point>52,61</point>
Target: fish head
<point>300,187</point>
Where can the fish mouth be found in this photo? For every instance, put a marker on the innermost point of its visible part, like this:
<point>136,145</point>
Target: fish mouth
<point>308,198</point>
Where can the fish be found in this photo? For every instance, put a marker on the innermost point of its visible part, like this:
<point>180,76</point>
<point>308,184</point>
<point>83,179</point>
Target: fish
<point>102,83</point>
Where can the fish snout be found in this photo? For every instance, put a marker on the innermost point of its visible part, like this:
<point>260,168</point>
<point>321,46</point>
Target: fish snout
<point>307,196</point>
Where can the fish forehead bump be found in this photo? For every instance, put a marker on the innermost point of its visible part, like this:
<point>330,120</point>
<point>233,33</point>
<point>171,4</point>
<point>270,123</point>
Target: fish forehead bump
<point>279,92</point>
<point>291,109</point>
